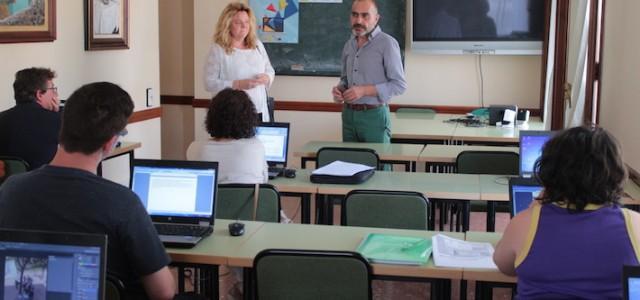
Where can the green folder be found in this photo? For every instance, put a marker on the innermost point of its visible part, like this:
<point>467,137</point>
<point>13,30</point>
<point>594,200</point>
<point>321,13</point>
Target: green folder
<point>395,249</point>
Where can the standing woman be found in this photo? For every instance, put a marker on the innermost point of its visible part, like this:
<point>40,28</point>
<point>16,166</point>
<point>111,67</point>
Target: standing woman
<point>237,59</point>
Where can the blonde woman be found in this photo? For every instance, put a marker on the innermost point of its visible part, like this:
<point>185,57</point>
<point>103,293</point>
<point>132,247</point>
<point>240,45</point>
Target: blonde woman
<point>237,59</point>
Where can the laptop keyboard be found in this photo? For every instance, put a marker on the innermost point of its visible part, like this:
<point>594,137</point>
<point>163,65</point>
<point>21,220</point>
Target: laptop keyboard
<point>188,230</point>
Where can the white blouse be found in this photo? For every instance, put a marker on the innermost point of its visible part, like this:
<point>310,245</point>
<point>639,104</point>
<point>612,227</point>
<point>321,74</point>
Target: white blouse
<point>239,161</point>
<point>222,69</point>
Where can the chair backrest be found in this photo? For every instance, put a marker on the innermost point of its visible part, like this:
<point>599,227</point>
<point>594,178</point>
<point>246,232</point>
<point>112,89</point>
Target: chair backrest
<point>488,162</point>
<point>386,209</point>
<point>305,274</point>
<point>365,156</point>
<point>114,288</point>
<point>10,165</point>
<point>235,201</point>
<point>415,110</point>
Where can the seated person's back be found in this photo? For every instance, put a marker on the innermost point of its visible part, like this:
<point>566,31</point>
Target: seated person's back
<point>30,129</point>
<point>573,241</point>
<point>66,195</point>
<point>231,121</point>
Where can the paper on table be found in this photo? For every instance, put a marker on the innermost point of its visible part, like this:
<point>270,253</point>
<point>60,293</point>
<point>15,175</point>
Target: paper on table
<point>341,168</point>
<point>455,253</point>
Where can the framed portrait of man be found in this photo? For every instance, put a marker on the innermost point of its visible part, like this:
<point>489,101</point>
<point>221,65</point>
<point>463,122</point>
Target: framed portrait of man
<point>27,21</point>
<point>107,24</point>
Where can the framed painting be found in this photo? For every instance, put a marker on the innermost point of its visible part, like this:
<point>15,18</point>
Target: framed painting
<point>23,21</point>
<point>106,24</point>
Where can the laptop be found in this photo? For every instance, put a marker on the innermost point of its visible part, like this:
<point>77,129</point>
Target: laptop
<point>275,137</point>
<point>179,196</point>
<point>631,282</point>
<point>531,143</point>
<point>52,265</point>
<point>522,191</point>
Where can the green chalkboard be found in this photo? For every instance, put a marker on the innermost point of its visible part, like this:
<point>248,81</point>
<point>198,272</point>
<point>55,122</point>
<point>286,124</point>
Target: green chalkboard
<point>324,29</point>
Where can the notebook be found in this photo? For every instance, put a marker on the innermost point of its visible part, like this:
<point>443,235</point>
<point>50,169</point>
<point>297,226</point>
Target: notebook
<point>631,282</point>
<point>522,191</point>
<point>275,137</point>
<point>179,196</point>
<point>531,143</point>
<point>52,265</point>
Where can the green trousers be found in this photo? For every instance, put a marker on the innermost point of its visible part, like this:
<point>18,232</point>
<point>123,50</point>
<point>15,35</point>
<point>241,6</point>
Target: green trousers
<point>366,126</point>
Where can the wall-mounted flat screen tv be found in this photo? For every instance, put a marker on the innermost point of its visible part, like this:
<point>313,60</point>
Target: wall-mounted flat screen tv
<point>507,27</point>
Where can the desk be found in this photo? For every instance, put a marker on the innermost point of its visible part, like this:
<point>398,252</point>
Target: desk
<point>389,153</point>
<point>123,149</point>
<point>298,186</point>
<point>492,134</point>
<point>486,279</point>
<point>448,153</point>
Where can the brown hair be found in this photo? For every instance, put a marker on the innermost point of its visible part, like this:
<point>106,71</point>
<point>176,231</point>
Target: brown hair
<point>231,115</point>
<point>222,35</point>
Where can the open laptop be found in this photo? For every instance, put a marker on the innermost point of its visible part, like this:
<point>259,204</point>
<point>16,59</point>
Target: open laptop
<point>631,282</point>
<point>275,137</point>
<point>179,196</point>
<point>531,143</point>
<point>522,191</point>
<point>48,265</point>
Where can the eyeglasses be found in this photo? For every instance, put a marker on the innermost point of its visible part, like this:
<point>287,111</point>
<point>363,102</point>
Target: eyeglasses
<point>53,88</point>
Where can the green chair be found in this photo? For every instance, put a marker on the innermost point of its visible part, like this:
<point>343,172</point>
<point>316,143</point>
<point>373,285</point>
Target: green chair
<point>386,209</point>
<point>365,156</point>
<point>414,110</point>
<point>235,201</point>
<point>488,162</point>
<point>308,274</point>
<point>12,165</point>
<point>114,288</point>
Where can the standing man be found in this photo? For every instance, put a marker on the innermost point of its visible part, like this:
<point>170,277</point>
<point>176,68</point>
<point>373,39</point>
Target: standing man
<point>30,129</point>
<point>372,73</point>
<point>67,195</point>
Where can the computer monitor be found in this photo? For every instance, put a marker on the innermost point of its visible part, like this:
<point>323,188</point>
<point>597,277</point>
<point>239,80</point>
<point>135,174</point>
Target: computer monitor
<point>275,137</point>
<point>522,191</point>
<point>531,143</point>
<point>631,282</point>
<point>48,265</point>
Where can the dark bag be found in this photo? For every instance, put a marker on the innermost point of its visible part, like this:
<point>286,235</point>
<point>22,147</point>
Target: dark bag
<point>359,177</point>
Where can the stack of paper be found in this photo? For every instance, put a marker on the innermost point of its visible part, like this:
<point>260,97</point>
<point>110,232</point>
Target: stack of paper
<point>393,249</point>
<point>341,168</point>
<point>455,253</point>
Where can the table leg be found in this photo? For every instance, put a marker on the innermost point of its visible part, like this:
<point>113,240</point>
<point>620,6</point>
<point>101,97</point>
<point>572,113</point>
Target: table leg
<point>305,206</point>
<point>491,216</point>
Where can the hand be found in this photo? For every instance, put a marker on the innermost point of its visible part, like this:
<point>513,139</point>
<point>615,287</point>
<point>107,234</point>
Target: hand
<point>245,84</point>
<point>337,94</point>
<point>263,78</point>
<point>52,103</point>
<point>354,93</point>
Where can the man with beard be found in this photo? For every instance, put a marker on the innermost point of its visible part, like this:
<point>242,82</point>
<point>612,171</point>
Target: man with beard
<point>372,73</point>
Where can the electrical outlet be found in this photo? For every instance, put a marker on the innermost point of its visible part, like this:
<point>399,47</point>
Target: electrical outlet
<point>150,97</point>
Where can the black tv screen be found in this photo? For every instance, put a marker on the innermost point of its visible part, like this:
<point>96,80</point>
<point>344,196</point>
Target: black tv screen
<point>479,24</point>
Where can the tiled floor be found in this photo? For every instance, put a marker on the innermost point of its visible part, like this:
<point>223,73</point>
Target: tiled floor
<point>381,289</point>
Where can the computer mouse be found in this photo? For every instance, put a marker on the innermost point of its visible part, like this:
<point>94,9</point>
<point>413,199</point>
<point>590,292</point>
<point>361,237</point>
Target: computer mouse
<point>236,229</point>
<point>290,173</point>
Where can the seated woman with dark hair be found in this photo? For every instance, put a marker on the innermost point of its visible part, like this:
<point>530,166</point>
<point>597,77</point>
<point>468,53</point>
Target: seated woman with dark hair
<point>231,122</point>
<point>574,239</point>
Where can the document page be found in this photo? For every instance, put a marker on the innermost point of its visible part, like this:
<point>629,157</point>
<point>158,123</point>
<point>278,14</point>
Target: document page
<point>341,168</point>
<point>172,194</point>
<point>455,253</point>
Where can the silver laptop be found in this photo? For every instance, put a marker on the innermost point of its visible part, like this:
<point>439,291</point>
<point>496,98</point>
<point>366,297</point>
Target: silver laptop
<point>275,138</point>
<point>179,196</point>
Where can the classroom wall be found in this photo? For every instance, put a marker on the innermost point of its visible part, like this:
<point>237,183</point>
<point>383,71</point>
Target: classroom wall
<point>134,69</point>
<point>432,80</point>
<point>621,70</point>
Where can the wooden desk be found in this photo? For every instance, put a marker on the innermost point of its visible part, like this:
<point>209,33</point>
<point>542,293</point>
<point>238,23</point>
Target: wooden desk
<point>123,149</point>
<point>299,186</point>
<point>389,153</point>
<point>486,274</point>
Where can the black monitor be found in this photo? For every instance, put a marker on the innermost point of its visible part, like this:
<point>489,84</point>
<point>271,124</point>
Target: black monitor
<point>48,265</point>
<point>531,144</point>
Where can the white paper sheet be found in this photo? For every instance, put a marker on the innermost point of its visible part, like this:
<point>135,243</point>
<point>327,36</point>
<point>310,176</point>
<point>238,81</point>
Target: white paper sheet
<point>341,168</point>
<point>455,253</point>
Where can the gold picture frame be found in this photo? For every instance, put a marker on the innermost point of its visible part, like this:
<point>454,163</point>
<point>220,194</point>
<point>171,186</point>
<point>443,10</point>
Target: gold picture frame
<point>106,24</point>
<point>25,21</point>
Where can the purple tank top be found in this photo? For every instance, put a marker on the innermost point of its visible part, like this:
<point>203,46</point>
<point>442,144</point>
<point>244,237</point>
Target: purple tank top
<point>576,255</point>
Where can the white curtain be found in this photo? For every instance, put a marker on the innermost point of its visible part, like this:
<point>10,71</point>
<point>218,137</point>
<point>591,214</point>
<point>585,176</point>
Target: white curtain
<point>551,56</point>
<point>577,63</point>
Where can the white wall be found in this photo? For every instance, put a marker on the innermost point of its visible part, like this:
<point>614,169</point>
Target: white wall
<point>621,70</point>
<point>134,69</point>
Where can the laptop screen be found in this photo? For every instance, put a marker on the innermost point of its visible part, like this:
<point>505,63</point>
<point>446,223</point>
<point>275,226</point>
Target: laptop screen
<point>170,188</point>
<point>275,137</point>
<point>631,282</point>
<point>45,265</point>
<point>522,191</point>
<point>531,143</point>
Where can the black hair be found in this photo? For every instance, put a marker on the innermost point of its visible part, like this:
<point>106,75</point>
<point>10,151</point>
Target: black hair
<point>29,81</point>
<point>231,115</point>
<point>93,114</point>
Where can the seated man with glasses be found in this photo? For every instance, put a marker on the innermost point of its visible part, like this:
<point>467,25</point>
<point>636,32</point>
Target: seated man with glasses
<point>30,129</point>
